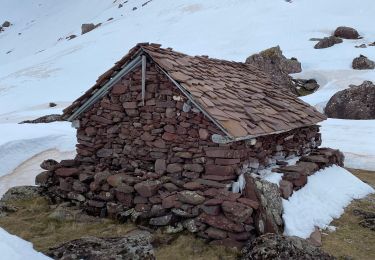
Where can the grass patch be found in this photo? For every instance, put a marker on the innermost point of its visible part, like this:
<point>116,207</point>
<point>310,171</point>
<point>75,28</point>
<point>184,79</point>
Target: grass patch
<point>188,247</point>
<point>351,239</point>
<point>31,223</point>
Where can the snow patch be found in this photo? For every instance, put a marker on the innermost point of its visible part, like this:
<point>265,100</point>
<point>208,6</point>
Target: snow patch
<point>321,200</point>
<point>15,248</point>
<point>355,138</point>
<point>19,143</point>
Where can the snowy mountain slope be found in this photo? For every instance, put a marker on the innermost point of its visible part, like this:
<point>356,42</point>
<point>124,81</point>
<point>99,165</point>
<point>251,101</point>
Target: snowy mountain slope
<point>231,30</point>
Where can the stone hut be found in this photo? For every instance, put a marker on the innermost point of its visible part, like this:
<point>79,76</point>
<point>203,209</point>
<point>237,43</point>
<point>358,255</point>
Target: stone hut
<point>169,138</point>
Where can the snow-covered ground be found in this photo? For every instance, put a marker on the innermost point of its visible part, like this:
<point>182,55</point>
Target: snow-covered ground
<point>356,138</point>
<point>38,65</point>
<point>322,199</point>
<point>15,248</point>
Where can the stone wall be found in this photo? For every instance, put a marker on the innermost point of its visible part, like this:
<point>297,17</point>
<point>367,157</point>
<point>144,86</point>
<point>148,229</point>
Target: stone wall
<point>156,163</point>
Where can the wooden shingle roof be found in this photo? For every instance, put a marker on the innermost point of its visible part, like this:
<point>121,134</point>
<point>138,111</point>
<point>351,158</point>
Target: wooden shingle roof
<point>238,96</point>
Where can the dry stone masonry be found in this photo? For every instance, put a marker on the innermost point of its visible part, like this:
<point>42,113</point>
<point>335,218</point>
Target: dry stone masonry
<point>151,156</point>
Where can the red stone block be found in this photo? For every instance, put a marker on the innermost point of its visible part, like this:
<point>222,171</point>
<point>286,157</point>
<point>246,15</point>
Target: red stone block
<point>219,170</point>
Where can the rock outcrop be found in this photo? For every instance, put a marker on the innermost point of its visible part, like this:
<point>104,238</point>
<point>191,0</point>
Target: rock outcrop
<point>276,65</point>
<point>363,63</point>
<point>21,193</point>
<point>43,119</point>
<point>356,102</point>
<point>136,245</point>
<point>278,247</point>
<point>88,27</point>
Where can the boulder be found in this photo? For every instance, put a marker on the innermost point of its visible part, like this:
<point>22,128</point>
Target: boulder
<point>305,86</point>
<point>6,24</point>
<point>278,247</point>
<point>42,179</point>
<point>48,165</point>
<point>361,46</point>
<point>363,63</point>
<point>346,32</point>
<point>135,245</point>
<point>327,42</point>
<point>71,37</point>
<point>21,193</point>
<point>269,213</point>
<point>356,102</point>
<point>87,27</point>
<point>276,65</point>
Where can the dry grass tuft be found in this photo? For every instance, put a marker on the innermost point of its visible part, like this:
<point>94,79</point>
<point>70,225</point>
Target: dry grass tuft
<point>188,247</point>
<point>31,223</point>
<point>350,239</point>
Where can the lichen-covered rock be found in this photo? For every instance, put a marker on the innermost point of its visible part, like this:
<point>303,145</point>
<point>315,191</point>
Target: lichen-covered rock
<point>356,102</point>
<point>305,86</point>
<point>49,165</point>
<point>276,65</point>
<point>42,179</point>
<point>135,245</point>
<point>190,197</point>
<point>363,63</point>
<point>269,214</point>
<point>21,193</point>
<point>278,247</point>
